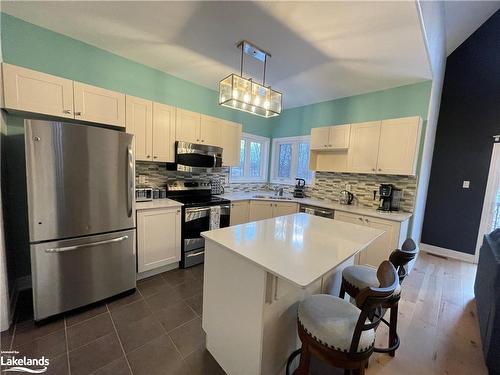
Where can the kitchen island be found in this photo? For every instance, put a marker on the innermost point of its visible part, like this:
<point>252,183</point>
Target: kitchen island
<point>255,275</point>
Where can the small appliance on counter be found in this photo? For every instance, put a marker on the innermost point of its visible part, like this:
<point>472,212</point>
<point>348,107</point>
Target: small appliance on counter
<point>300,187</point>
<point>390,198</point>
<point>346,197</point>
<point>143,194</point>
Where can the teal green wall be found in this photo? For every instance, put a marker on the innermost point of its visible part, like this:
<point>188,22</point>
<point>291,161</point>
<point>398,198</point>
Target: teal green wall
<point>34,47</point>
<point>409,100</point>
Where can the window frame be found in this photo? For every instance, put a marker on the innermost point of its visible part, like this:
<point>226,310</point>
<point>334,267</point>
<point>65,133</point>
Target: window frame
<point>273,178</point>
<point>247,137</point>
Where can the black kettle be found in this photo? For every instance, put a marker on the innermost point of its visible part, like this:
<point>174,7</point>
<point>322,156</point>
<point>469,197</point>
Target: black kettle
<point>301,183</point>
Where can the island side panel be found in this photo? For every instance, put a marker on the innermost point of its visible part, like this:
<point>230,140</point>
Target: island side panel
<point>233,302</point>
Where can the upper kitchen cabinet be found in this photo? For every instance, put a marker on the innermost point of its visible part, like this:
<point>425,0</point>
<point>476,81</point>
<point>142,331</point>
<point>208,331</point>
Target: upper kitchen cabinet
<point>398,147</point>
<point>364,147</point>
<point>163,133</point>
<point>210,130</point>
<point>187,126</point>
<point>31,91</point>
<point>140,124</point>
<point>230,141</point>
<point>99,105</point>
<point>330,137</point>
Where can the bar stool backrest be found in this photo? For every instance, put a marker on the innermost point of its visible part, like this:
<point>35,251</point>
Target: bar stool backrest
<point>401,258</point>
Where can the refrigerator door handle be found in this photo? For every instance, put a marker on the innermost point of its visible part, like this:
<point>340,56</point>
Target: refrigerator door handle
<point>130,180</point>
<point>69,248</point>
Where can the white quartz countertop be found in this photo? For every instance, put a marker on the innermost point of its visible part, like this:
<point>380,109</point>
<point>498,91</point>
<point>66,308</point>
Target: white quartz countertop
<point>299,248</point>
<point>394,216</point>
<point>157,203</point>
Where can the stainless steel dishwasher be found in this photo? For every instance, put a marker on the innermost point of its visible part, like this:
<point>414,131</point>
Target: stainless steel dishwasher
<point>317,211</point>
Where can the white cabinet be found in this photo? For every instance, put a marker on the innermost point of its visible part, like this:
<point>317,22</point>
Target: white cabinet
<point>380,249</point>
<point>363,147</point>
<point>163,133</point>
<point>187,126</point>
<point>398,147</point>
<point>284,208</point>
<point>230,142</point>
<point>210,131</point>
<point>158,238</point>
<point>260,210</point>
<point>99,105</point>
<point>330,137</point>
<point>140,124</point>
<point>32,91</point>
<point>240,212</point>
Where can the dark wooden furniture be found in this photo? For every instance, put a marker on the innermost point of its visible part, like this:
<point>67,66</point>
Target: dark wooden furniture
<point>353,285</point>
<point>345,340</point>
<point>487,292</point>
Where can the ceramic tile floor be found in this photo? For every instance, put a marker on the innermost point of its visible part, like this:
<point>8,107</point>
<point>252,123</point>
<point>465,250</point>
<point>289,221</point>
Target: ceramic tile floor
<point>156,330</point>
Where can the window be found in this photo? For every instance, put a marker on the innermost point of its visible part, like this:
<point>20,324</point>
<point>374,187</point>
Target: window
<point>254,156</point>
<point>290,160</point>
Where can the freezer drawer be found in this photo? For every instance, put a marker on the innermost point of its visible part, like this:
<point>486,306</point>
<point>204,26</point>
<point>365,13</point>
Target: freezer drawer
<point>71,273</point>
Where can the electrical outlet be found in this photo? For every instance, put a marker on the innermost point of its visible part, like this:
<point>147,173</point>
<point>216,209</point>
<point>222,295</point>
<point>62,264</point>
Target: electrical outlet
<point>466,184</point>
<point>143,179</point>
<point>348,187</point>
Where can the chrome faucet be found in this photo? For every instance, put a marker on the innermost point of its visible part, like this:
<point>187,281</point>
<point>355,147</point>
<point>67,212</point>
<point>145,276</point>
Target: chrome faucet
<point>278,191</point>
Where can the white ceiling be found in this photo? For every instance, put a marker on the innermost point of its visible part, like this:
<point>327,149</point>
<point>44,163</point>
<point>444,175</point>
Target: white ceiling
<point>320,50</point>
<point>462,18</point>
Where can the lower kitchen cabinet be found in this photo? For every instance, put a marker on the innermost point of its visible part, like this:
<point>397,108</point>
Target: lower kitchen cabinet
<point>394,235</point>
<point>260,210</point>
<point>239,212</point>
<point>158,238</point>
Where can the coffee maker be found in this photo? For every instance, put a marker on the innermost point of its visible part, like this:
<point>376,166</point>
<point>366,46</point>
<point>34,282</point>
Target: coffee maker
<point>300,186</point>
<point>390,198</point>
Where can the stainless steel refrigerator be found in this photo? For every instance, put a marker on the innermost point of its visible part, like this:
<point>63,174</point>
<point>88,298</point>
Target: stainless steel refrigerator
<point>80,185</point>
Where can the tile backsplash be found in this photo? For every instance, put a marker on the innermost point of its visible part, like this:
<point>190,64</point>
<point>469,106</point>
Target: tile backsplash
<point>326,185</point>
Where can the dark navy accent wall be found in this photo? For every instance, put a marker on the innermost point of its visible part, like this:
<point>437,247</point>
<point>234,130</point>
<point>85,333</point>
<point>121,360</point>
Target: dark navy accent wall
<point>468,118</point>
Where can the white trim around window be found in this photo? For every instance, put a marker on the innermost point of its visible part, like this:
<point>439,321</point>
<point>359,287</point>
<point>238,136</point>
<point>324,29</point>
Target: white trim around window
<point>294,142</point>
<point>246,176</point>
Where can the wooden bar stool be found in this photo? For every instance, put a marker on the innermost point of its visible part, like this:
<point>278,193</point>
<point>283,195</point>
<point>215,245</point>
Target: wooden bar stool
<point>339,332</point>
<point>356,278</point>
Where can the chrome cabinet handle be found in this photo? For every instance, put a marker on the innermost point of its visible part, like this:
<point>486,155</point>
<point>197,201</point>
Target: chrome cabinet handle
<point>330,145</point>
<point>379,170</point>
<point>367,220</point>
<point>69,248</point>
<point>148,156</point>
<point>373,169</point>
<point>78,113</point>
<point>155,157</point>
<point>360,218</point>
<point>67,111</point>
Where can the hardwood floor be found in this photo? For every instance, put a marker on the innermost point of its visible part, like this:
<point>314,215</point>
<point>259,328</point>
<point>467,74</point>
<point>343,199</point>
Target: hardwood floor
<point>438,326</point>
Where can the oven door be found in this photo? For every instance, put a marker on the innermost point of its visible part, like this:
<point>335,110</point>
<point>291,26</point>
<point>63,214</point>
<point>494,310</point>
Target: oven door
<point>192,157</point>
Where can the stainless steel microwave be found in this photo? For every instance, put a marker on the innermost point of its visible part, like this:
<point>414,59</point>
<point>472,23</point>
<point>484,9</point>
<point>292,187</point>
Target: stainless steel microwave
<point>193,157</point>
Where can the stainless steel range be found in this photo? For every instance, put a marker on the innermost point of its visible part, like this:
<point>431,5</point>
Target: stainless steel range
<point>201,212</point>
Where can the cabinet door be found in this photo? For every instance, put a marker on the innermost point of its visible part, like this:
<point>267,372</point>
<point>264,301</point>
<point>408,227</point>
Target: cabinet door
<point>158,238</point>
<point>210,131</point>
<point>231,143</point>
<point>163,133</point>
<point>320,138</point>
<point>398,148</point>
<point>140,123</point>
<point>260,210</point>
<point>284,208</point>
<point>381,248</point>
<point>349,218</point>
<point>187,126</point>
<point>239,212</point>
<point>339,136</point>
<point>32,91</point>
<point>99,105</point>
<point>363,147</point>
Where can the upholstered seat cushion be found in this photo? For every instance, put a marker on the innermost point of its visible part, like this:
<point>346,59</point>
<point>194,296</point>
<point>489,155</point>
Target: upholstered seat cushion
<point>363,276</point>
<point>331,321</point>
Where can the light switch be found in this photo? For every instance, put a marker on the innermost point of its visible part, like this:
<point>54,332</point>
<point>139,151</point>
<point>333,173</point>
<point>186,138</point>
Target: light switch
<point>466,184</point>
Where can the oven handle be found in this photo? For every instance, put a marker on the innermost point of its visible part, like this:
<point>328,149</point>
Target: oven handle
<point>195,254</point>
<point>193,210</point>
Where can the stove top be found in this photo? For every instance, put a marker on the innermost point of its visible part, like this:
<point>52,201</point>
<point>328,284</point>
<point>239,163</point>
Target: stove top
<point>198,201</point>
<point>193,193</point>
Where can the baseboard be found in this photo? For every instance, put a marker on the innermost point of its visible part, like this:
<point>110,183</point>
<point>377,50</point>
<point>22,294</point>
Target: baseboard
<point>158,270</point>
<point>23,283</point>
<point>448,253</point>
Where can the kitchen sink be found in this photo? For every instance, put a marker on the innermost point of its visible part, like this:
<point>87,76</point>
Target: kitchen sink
<point>262,196</point>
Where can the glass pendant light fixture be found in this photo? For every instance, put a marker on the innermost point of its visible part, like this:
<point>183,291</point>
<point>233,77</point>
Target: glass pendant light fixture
<point>244,94</point>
